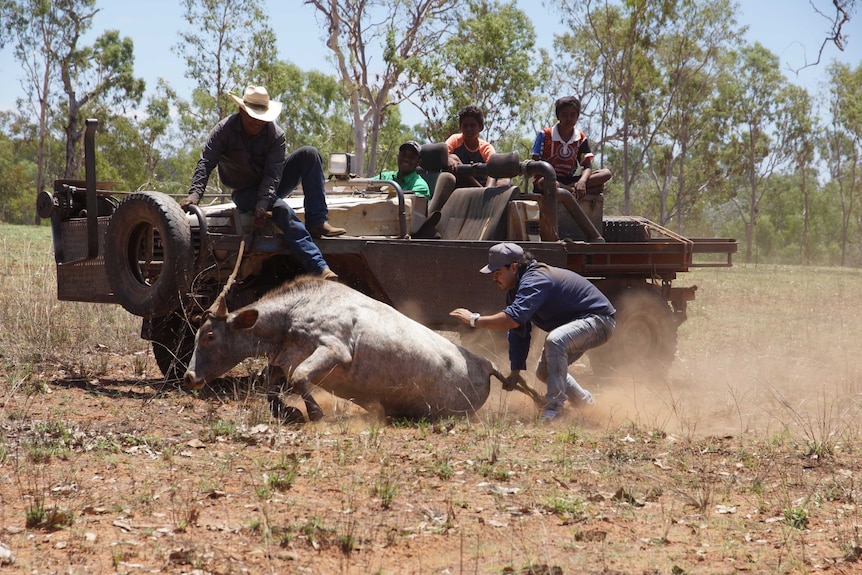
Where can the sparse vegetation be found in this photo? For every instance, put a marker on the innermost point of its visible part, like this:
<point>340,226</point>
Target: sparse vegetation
<point>737,462</point>
<point>386,488</point>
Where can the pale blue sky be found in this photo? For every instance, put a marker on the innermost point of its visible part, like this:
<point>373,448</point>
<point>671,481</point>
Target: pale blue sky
<point>789,28</point>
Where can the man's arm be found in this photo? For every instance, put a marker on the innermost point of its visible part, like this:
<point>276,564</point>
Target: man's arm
<point>272,170</point>
<point>519,344</point>
<point>209,159</point>
<point>586,155</point>
<point>498,321</point>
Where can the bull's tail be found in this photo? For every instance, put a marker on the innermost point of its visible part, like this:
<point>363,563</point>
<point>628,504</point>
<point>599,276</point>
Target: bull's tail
<point>520,384</point>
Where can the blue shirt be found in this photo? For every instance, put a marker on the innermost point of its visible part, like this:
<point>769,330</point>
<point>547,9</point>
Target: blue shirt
<point>549,297</point>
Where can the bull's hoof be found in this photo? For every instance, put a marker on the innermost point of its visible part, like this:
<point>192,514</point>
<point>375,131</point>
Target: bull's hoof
<point>314,414</point>
<point>286,414</point>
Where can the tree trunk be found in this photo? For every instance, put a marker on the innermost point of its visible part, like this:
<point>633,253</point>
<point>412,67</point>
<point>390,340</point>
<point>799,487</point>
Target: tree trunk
<point>806,241</point>
<point>43,136</point>
<point>73,134</point>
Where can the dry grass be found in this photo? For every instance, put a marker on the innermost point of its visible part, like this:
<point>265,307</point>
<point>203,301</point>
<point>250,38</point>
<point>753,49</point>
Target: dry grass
<point>744,460</point>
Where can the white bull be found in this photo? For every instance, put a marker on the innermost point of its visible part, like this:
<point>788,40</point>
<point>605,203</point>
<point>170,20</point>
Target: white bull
<point>326,334</point>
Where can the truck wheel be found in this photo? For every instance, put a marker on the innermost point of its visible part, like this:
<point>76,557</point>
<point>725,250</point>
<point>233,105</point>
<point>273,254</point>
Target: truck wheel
<point>644,341</point>
<point>149,256</point>
<point>173,340</point>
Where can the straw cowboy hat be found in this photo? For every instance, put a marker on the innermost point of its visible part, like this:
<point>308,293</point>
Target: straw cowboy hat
<point>255,101</point>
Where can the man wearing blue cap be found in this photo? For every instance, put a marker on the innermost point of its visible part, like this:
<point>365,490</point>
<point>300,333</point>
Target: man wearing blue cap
<point>574,313</point>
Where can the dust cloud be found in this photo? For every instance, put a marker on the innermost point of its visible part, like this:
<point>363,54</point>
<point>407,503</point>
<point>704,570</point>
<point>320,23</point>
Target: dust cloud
<point>764,351</point>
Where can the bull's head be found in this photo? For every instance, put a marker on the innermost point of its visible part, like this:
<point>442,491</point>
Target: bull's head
<point>220,344</point>
<point>210,358</point>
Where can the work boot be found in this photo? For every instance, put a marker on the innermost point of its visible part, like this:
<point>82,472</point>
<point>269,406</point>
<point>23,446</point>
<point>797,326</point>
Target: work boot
<point>325,230</point>
<point>328,274</point>
<point>548,415</point>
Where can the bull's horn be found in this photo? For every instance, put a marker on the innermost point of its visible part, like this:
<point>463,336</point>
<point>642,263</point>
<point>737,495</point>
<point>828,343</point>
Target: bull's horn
<point>219,306</point>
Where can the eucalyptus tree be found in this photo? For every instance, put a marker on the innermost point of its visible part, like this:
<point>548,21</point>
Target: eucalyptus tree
<point>373,43</point>
<point>315,105</point>
<point>757,108</point>
<point>838,13</point>
<point>842,145</point>
<point>228,45</point>
<point>610,58</point>
<point>97,77</point>
<point>6,10</point>
<point>38,36</point>
<point>39,32</point>
<point>156,126</point>
<point>491,61</point>
<point>60,73</point>
<point>688,58</point>
<point>16,199</point>
<point>131,147</point>
<point>800,129</point>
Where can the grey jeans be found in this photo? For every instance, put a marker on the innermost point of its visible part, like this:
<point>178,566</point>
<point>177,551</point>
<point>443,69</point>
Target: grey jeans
<point>565,345</point>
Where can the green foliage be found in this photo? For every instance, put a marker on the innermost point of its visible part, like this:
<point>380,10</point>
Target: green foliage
<point>570,509</point>
<point>282,476</point>
<point>226,46</point>
<point>499,70</point>
<point>315,110</point>
<point>703,132</point>
<point>38,516</point>
<point>221,428</point>
<point>386,488</point>
<point>444,470</point>
<point>17,189</point>
<point>796,517</point>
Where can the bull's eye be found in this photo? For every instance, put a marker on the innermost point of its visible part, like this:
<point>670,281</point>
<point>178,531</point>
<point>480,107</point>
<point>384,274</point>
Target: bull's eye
<point>208,338</point>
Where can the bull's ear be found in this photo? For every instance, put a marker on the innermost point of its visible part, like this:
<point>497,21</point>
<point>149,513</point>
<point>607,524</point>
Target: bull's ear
<point>244,319</point>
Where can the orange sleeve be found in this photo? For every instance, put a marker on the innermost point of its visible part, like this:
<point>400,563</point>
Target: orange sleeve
<point>486,150</point>
<point>454,141</point>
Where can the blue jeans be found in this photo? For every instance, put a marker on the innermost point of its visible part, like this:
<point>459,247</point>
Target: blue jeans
<point>305,165</point>
<point>565,345</point>
<point>283,216</point>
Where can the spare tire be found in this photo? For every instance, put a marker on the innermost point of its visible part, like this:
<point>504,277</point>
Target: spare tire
<point>149,257</point>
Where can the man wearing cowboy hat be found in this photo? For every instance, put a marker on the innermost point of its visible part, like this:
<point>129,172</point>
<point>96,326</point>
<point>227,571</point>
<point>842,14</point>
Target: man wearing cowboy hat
<point>574,313</point>
<point>249,149</point>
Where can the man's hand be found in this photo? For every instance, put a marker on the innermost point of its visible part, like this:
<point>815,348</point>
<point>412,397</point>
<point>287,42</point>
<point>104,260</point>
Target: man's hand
<point>189,201</point>
<point>260,215</point>
<point>513,380</point>
<point>462,314</point>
